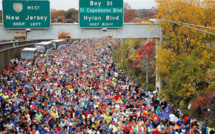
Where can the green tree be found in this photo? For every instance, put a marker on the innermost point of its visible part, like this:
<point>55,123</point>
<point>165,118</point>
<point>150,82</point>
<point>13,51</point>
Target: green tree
<point>72,14</point>
<point>0,16</point>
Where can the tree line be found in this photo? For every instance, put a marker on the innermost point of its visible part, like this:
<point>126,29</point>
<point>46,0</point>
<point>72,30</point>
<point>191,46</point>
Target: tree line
<point>72,15</point>
<point>186,59</point>
<point>186,62</point>
<point>69,16</point>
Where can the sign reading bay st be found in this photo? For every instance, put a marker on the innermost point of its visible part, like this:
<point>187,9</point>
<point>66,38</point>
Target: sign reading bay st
<point>18,14</point>
<point>101,13</point>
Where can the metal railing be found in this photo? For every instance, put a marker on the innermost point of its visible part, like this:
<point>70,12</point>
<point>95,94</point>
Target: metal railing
<point>5,46</point>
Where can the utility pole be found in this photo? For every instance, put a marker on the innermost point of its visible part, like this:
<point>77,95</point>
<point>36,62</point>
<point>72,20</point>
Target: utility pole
<point>147,67</point>
<point>121,43</point>
<point>133,70</point>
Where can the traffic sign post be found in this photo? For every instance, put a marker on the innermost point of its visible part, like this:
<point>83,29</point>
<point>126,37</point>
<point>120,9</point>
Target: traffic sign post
<point>21,14</point>
<point>101,13</point>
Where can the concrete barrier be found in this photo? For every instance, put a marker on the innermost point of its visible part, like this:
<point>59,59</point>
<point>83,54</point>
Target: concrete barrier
<point>9,52</point>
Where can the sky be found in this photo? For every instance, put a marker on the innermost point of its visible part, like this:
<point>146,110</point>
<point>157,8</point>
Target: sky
<point>66,4</point>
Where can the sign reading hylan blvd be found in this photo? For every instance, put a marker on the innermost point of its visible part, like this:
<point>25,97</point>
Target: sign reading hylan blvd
<point>26,14</point>
<point>101,13</point>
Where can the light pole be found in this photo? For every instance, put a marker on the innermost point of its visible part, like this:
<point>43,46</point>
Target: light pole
<point>160,39</point>
<point>185,25</point>
<point>147,67</point>
<point>158,80</point>
<point>57,19</point>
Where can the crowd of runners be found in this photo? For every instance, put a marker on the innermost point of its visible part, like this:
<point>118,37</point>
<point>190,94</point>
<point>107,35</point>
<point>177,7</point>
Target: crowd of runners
<point>79,90</point>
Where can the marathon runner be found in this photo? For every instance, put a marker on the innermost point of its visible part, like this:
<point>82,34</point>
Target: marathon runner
<point>79,90</point>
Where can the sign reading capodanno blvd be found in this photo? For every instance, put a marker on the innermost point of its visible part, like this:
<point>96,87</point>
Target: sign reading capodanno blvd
<point>101,13</point>
<point>20,14</point>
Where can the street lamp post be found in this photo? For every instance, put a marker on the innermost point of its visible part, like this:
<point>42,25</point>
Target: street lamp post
<point>147,67</point>
<point>158,79</point>
<point>185,25</point>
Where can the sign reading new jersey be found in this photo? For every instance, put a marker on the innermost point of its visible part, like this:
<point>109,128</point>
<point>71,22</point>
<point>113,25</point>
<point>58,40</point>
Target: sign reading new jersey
<point>26,14</point>
<point>101,13</point>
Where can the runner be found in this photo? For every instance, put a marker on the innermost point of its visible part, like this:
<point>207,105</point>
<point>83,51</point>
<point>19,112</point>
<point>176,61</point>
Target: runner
<point>79,90</point>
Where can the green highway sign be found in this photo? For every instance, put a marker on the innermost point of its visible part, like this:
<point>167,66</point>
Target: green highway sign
<point>21,14</point>
<point>101,13</point>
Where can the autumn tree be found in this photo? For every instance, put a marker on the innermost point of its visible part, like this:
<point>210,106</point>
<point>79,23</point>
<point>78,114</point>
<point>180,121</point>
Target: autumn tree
<point>152,15</point>
<point>129,14</point>
<point>125,58</point>
<point>62,19</point>
<point>56,13</point>
<point>186,56</point>
<point>146,51</point>
<point>144,14</point>
<point>143,57</point>
<point>205,107</point>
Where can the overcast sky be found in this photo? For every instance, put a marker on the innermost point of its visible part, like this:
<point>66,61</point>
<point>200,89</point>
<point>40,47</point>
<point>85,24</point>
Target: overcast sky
<point>66,4</point>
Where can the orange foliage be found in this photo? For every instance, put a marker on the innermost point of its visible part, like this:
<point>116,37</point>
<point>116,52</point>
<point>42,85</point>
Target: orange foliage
<point>71,9</point>
<point>62,19</point>
<point>56,13</point>
<point>52,21</point>
<point>70,21</point>
<point>129,14</point>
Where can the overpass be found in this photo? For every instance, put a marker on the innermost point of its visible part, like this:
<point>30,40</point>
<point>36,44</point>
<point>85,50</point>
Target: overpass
<point>73,31</point>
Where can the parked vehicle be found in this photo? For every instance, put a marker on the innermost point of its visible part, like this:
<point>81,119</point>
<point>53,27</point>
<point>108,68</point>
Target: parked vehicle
<point>28,53</point>
<point>43,47</point>
<point>58,43</point>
